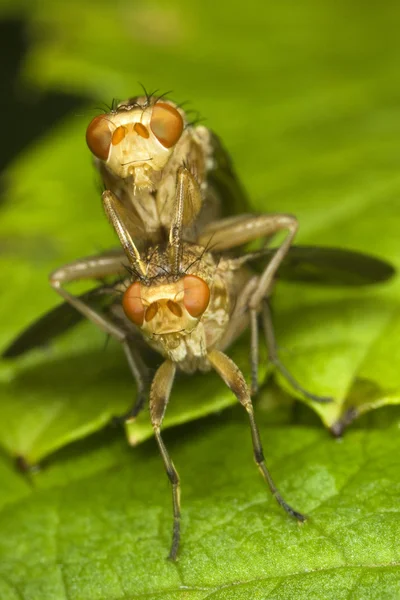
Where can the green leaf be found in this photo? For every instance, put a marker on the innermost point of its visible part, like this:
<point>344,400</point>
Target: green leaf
<point>96,523</point>
<point>305,97</point>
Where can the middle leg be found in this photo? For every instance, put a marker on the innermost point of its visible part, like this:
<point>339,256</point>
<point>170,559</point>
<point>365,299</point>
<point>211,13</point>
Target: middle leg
<point>97,267</point>
<point>273,356</point>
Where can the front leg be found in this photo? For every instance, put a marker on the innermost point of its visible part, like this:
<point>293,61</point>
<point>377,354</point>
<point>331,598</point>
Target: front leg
<point>159,396</point>
<point>187,205</point>
<point>97,267</point>
<point>273,355</point>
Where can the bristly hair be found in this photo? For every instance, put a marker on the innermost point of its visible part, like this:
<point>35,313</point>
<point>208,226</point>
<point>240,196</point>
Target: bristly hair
<point>133,101</point>
<point>149,95</point>
<point>114,104</point>
<point>162,96</point>
<point>159,268</point>
<point>197,118</point>
<point>104,108</point>
<point>182,104</point>
<point>137,275</point>
<point>198,259</point>
<point>151,99</point>
<point>134,273</point>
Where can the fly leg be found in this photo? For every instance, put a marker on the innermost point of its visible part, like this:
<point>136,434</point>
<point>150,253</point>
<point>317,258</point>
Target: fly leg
<point>235,231</point>
<point>241,316</point>
<point>273,356</point>
<point>90,268</point>
<point>238,322</point>
<point>254,351</point>
<point>97,268</point>
<point>234,379</point>
<point>187,205</point>
<point>270,340</point>
<point>120,219</point>
<point>239,230</point>
<point>159,396</point>
<point>141,377</point>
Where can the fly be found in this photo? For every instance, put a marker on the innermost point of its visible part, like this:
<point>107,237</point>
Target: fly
<point>142,146</point>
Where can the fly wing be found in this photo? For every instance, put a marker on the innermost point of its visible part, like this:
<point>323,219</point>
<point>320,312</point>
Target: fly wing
<point>328,266</point>
<point>56,322</point>
<point>224,181</point>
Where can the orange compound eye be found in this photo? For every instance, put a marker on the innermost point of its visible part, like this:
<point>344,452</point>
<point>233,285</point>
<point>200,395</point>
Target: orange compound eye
<point>196,295</point>
<point>118,135</point>
<point>133,305</point>
<point>98,137</point>
<point>166,124</point>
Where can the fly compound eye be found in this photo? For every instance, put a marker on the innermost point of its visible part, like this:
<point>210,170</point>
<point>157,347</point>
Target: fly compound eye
<point>196,295</point>
<point>98,137</point>
<point>166,124</point>
<point>133,305</point>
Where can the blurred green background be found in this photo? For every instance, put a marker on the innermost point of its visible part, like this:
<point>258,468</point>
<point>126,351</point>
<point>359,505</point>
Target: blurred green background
<point>305,96</point>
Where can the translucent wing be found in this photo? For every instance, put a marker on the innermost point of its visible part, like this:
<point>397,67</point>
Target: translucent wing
<point>56,322</point>
<point>328,266</point>
<point>224,181</point>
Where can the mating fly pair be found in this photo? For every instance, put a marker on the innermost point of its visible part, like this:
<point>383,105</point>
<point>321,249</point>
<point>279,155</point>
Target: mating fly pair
<point>182,280</point>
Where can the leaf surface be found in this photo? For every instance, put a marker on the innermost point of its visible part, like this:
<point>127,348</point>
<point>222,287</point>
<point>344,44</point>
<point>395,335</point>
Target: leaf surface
<point>96,523</point>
